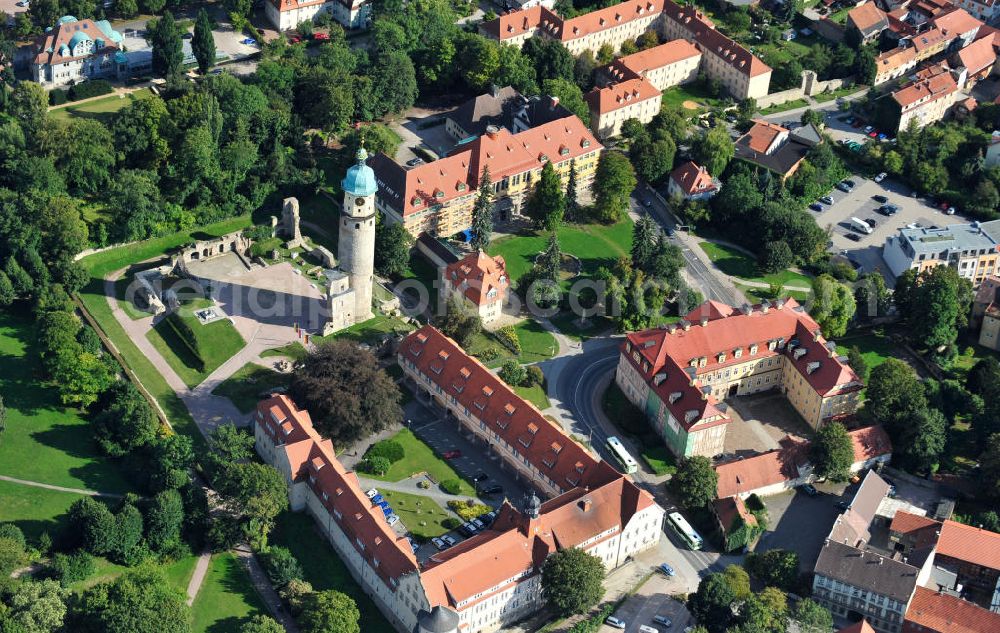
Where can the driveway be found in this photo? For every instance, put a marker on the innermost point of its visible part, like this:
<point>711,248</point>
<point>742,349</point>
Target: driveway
<point>653,598</point>
<point>801,523</point>
<point>434,138</point>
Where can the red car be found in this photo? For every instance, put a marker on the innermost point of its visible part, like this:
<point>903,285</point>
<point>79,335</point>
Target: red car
<point>295,39</point>
<point>873,134</point>
<point>452,454</point>
<point>321,37</point>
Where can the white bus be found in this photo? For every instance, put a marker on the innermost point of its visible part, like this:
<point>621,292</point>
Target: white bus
<point>684,530</point>
<point>618,450</point>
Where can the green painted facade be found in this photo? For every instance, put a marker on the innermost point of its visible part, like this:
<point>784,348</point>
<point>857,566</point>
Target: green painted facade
<point>678,442</point>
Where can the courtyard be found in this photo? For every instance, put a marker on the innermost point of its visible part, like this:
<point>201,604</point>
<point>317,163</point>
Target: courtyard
<point>760,421</point>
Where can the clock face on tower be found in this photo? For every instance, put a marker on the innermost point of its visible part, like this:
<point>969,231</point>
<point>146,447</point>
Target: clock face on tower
<point>359,202</point>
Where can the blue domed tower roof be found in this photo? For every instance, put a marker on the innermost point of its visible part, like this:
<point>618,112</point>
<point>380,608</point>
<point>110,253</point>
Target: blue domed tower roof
<point>360,178</point>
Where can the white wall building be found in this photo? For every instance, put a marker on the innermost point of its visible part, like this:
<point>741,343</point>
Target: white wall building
<point>288,14</point>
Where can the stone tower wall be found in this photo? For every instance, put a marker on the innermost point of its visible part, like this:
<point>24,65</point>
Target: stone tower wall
<point>356,249</point>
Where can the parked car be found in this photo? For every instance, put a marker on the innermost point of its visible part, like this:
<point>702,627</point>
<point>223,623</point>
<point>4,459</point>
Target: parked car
<point>873,134</point>
<point>816,206</point>
<point>871,222</point>
<point>843,505</point>
<point>880,177</point>
<point>187,36</point>
<point>880,198</point>
<point>467,529</point>
<point>413,544</point>
<point>850,183</point>
<point>480,476</point>
<point>450,540</point>
<point>439,543</point>
<point>950,211</point>
<point>413,162</point>
<point>249,41</point>
<point>392,519</point>
<point>809,490</point>
<point>868,129</point>
<point>321,37</point>
<point>661,620</point>
<point>492,490</point>
<point>372,493</point>
<point>666,569</point>
<point>826,200</point>
<point>295,39</point>
<point>614,622</point>
<point>843,186</point>
<point>452,454</point>
<point>479,524</point>
<point>487,518</point>
<point>643,628</point>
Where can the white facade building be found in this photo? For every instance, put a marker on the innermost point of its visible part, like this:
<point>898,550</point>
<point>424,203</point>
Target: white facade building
<point>288,14</point>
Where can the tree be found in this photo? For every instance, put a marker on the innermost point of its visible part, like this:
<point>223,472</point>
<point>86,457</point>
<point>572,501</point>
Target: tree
<point>712,605</point>
<point>512,373</point>
<point>261,624</point>
<point>570,96</point>
<point>281,565</point>
<point>547,204</point>
<point>125,422</point>
<point>167,49</point>
<point>3,415</point>
<point>164,519</point>
<point>392,248</point>
<point>12,543</point>
<point>550,58</point>
<point>329,610</point>
<point>777,256</point>
<point>7,294</point>
<point>203,44</point>
<point>347,394</point>
<point>171,456</point>
<point>126,8</point>
<point>128,534</point>
<point>480,60</point>
<point>775,567</point>
<point>813,117</point>
<point>460,322</point>
<point>482,213</point>
<point>921,443</point>
<point>550,260</point>
<point>653,158</point>
<point>765,612</point>
<point>572,581</point>
<point>613,184</point>
<point>857,362</point>
<point>832,452</point>
<point>92,526</point>
<point>812,617</point>
<point>714,150</point>
<point>872,296</point>
<point>255,494</point>
<point>516,70</point>
<point>695,482</point>
<point>989,462</point>
<point>643,243</point>
<point>833,305</point>
<point>36,607</point>
<point>138,601</point>
<point>29,104</point>
<point>395,82</point>
<point>936,306</point>
<point>572,203</point>
<point>894,394</point>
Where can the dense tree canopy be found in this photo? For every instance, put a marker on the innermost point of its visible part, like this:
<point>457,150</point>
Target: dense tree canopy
<point>695,482</point>
<point>572,581</point>
<point>832,452</point>
<point>138,601</point>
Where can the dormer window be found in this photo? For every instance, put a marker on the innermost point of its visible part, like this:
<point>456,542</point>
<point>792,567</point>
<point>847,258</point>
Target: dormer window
<point>439,194</point>
<point>585,143</point>
<point>753,349</point>
<point>416,201</point>
<point>487,391</point>
<point>443,354</point>
<point>532,428</point>
<point>461,186</point>
<point>464,372</point>
<point>737,353</point>
<point>721,358</point>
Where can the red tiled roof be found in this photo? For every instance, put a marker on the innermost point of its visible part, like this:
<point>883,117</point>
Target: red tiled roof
<point>970,544</point>
<point>710,40</point>
<point>762,136</point>
<point>773,467</point>
<point>920,530</point>
<point>933,612</point>
<point>929,87</point>
<point>729,508</point>
<point>602,19</point>
<point>858,627</point>
<point>659,56</point>
<point>517,23</point>
<point>978,55</point>
<point>895,58</point>
<point>929,39</point>
<point>477,275</point>
<point>312,459</point>
<point>620,95</point>
<point>866,16</point>
<point>956,22</point>
<point>692,178</point>
<point>441,181</point>
<point>514,420</point>
<point>870,442</point>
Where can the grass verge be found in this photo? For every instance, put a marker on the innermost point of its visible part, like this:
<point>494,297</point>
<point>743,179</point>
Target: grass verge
<point>227,598</point>
<point>422,516</point>
<point>418,457</point>
<point>736,263</point>
<point>244,387</point>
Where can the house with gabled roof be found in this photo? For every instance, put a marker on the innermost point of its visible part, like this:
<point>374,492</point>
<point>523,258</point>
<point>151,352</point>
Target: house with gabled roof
<point>288,14</point>
<point>77,50</point>
<point>481,283</point>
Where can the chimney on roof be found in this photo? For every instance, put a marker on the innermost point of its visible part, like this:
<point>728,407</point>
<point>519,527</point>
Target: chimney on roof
<point>585,504</point>
<point>492,131</point>
<point>831,349</point>
<point>765,305</point>
<point>779,304</point>
<point>704,321</point>
<point>553,101</point>
<point>746,308</point>
<point>816,334</point>
<point>685,324</point>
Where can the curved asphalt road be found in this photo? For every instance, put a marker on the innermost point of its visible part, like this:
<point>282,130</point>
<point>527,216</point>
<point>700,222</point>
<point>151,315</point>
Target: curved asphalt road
<point>579,387</point>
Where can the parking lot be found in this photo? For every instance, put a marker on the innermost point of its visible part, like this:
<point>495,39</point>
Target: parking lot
<point>859,203</point>
<point>800,523</point>
<point>434,138</point>
<point>653,599</point>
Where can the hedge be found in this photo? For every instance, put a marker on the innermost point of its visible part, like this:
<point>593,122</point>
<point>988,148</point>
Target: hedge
<point>452,486</point>
<point>507,336</point>
<point>467,511</point>
<point>57,97</point>
<point>186,334</point>
<point>91,88</point>
<point>389,449</point>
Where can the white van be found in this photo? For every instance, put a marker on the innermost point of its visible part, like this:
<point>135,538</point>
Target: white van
<point>861,226</point>
<point>643,628</point>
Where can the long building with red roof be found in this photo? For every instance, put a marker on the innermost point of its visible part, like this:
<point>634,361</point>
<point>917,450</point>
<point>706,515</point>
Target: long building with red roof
<point>740,71</point>
<point>437,197</point>
<point>679,374</point>
<point>491,579</point>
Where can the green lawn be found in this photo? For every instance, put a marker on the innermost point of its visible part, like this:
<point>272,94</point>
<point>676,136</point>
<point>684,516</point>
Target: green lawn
<point>875,347</point>
<point>736,263</point>
<point>595,245</point>
<point>44,441</point>
<point>227,597</point>
<point>218,342</point>
<point>323,568</point>
<point>674,98</point>
<point>782,52</point>
<point>424,272</point>
<point>177,573</point>
<point>418,457</point>
<point>783,107</point>
<point>964,362</point>
<point>94,300</point>
<point>244,386</point>
<point>34,510</point>
<point>100,109</point>
<point>660,460</point>
<point>566,323</point>
<point>534,394</point>
<point>421,515</point>
<point>370,331</point>
<point>757,295</point>
<point>537,344</point>
<point>294,350</point>
<point>823,97</point>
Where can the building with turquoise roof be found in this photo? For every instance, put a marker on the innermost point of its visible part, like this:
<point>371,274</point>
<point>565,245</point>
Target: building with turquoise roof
<point>77,50</point>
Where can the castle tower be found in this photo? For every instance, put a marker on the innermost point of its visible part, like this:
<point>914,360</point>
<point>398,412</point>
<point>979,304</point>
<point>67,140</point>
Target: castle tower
<point>356,245</point>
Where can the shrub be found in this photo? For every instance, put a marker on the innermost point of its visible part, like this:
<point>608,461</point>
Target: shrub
<point>451,523</point>
<point>12,532</point>
<point>423,485</point>
<point>513,373</point>
<point>468,510</point>
<point>295,593</point>
<point>389,449</point>
<point>88,89</point>
<point>489,354</point>
<point>70,568</point>
<point>377,465</point>
<point>507,336</point>
<point>264,247</point>
<point>281,566</point>
<point>57,97</point>
<point>452,486</point>
<point>535,375</point>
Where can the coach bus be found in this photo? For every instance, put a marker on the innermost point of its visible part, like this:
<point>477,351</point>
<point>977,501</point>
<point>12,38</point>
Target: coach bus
<point>684,530</point>
<point>618,450</point>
